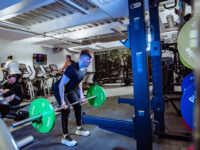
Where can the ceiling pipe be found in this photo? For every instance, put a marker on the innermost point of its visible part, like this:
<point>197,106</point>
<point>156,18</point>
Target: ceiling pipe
<point>16,27</point>
<point>8,24</point>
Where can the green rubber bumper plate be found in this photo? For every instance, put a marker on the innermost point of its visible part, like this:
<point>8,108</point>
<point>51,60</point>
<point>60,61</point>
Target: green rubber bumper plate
<point>185,64</point>
<point>47,121</point>
<point>100,95</point>
<point>187,44</point>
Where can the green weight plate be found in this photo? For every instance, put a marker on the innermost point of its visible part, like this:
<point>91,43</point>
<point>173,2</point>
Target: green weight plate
<point>184,63</point>
<point>187,43</point>
<point>99,92</point>
<point>42,106</point>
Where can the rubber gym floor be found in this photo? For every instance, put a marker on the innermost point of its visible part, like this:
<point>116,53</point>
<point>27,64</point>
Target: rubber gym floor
<point>102,139</point>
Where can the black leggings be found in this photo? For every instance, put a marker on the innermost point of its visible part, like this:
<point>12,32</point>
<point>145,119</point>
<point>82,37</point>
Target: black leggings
<point>72,97</point>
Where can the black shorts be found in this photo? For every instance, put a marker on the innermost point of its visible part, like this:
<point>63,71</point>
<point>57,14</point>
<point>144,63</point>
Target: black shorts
<point>70,97</point>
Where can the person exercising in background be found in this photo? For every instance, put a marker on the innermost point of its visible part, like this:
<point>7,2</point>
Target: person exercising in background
<point>1,74</point>
<point>123,66</point>
<point>12,91</point>
<point>12,67</point>
<point>69,90</point>
<point>68,62</point>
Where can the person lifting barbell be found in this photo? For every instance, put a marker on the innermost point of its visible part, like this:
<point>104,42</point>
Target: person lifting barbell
<point>68,90</point>
<point>42,114</point>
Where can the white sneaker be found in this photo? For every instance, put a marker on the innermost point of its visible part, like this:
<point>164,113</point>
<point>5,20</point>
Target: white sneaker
<point>82,132</point>
<point>68,141</point>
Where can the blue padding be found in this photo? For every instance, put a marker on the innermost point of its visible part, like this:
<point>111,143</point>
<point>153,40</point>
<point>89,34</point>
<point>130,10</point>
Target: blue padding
<point>126,43</point>
<point>187,81</point>
<point>187,105</point>
<point>129,101</point>
<point>126,128</point>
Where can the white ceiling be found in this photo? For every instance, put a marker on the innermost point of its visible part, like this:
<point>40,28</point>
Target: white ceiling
<point>14,35</point>
<point>71,24</point>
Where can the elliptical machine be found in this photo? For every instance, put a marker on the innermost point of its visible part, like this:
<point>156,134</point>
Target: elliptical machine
<point>26,82</point>
<point>41,82</point>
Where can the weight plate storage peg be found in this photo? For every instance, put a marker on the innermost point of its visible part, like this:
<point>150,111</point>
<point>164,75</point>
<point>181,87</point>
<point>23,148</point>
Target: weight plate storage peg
<point>47,120</point>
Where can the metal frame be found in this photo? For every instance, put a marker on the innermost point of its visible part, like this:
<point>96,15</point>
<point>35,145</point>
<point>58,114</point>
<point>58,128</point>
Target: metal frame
<point>137,36</point>
<point>141,126</point>
<point>155,46</point>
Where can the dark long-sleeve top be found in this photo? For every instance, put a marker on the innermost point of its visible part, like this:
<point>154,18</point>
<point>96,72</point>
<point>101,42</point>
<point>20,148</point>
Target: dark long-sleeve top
<point>13,89</point>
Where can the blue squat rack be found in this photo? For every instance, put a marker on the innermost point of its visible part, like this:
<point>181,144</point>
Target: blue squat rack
<point>140,127</point>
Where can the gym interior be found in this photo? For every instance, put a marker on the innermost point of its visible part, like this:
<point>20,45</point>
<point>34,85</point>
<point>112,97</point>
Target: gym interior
<point>141,87</point>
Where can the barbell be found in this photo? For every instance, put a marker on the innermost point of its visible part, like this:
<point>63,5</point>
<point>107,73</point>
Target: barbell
<point>42,114</point>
